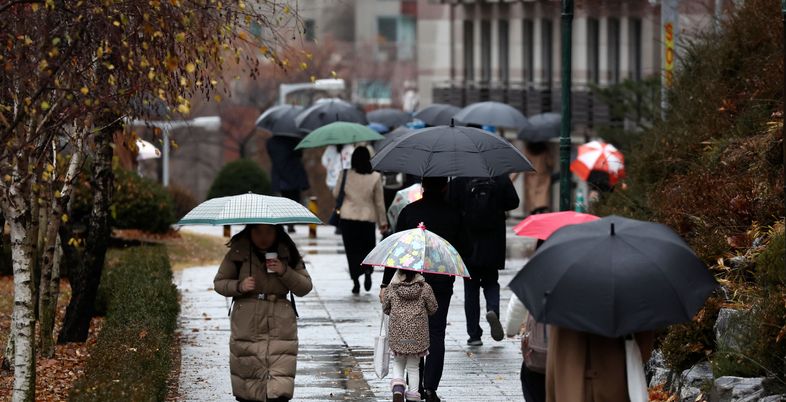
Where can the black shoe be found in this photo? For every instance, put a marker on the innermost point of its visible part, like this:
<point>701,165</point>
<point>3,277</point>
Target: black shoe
<point>497,333</point>
<point>291,229</point>
<point>431,396</point>
<point>474,342</point>
<point>367,282</point>
<point>356,287</point>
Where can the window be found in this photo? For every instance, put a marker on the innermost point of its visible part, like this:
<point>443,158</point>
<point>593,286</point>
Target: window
<point>547,51</point>
<point>593,51</point>
<point>614,50</point>
<point>504,67</point>
<point>528,50</point>
<point>485,50</point>
<point>309,30</point>
<point>469,51</point>
<point>387,35</point>
<point>635,49</point>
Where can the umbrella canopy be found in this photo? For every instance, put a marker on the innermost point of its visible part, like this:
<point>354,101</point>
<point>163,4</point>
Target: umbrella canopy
<point>280,120</point>
<point>437,114</point>
<point>391,136</point>
<point>601,157</point>
<point>542,127</point>
<point>451,151</point>
<point>491,114</point>
<point>326,112</point>
<point>378,127</point>
<point>338,133</point>
<point>249,209</point>
<point>403,198</point>
<point>391,118</point>
<point>417,250</point>
<point>614,277</point>
<point>541,226</point>
<point>146,150</point>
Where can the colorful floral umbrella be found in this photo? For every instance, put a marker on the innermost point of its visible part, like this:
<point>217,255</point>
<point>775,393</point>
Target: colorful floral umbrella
<point>418,250</point>
<point>541,226</point>
<point>403,198</point>
<point>599,156</point>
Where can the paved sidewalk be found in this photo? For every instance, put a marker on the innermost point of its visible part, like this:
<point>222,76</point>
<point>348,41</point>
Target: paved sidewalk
<point>336,331</point>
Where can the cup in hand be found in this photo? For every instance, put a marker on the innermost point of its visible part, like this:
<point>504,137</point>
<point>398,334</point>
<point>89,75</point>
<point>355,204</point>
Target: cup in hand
<point>269,257</point>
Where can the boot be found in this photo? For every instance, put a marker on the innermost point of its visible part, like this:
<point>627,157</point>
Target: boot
<point>431,396</point>
<point>398,389</point>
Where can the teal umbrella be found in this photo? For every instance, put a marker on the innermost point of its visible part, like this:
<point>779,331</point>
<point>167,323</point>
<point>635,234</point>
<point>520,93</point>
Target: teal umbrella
<point>338,133</point>
<point>249,209</point>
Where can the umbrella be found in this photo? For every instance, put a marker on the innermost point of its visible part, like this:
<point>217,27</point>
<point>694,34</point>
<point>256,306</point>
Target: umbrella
<point>391,118</point>
<point>146,150</point>
<point>248,209</point>
<point>541,226</point>
<point>417,250</point>
<point>450,151</point>
<point>614,277</point>
<point>599,156</point>
<point>437,114</point>
<point>491,114</point>
<point>403,198</point>
<point>280,120</point>
<point>338,133</point>
<point>326,112</point>
<point>542,127</point>
<point>378,127</point>
<point>391,136</point>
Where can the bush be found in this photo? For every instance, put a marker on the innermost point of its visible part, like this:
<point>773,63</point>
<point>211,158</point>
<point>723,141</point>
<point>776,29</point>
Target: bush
<point>240,177</point>
<point>131,359</point>
<point>687,344</point>
<point>183,200</point>
<point>770,271</point>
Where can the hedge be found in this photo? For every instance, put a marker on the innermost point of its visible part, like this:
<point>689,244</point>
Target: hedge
<point>132,358</point>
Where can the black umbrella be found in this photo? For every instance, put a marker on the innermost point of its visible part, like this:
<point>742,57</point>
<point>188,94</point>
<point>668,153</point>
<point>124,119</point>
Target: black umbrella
<point>436,114</point>
<point>391,136</point>
<point>391,118</point>
<point>542,127</point>
<point>491,114</point>
<point>280,120</point>
<point>614,277</point>
<point>450,151</point>
<point>327,111</point>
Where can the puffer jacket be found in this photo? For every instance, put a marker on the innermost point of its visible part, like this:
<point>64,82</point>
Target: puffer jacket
<point>263,344</point>
<point>409,304</point>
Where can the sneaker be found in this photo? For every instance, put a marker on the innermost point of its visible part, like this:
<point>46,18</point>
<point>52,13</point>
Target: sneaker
<point>431,396</point>
<point>497,333</point>
<point>471,342</point>
<point>398,393</point>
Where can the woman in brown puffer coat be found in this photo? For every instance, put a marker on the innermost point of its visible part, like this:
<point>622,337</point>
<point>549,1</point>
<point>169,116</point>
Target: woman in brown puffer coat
<point>263,344</point>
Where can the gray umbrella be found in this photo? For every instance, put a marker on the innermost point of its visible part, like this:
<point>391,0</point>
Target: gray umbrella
<point>280,120</point>
<point>436,114</point>
<point>542,127</point>
<point>391,136</point>
<point>328,111</point>
<point>391,118</point>
<point>491,114</point>
<point>451,151</point>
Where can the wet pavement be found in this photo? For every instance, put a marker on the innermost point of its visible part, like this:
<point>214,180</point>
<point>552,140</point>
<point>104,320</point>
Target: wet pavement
<point>336,331</point>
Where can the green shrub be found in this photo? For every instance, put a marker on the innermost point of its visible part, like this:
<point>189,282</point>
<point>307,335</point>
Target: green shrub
<point>770,266</point>
<point>240,177</point>
<point>684,345</point>
<point>131,360</point>
<point>184,200</point>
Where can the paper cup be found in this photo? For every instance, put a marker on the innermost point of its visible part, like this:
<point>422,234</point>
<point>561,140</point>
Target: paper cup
<point>271,256</point>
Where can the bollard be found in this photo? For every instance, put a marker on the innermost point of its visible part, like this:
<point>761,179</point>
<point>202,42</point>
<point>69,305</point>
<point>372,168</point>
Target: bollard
<point>314,208</point>
<point>227,231</point>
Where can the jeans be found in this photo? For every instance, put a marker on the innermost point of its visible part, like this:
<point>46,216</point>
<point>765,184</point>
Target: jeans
<point>488,279</point>
<point>410,364</point>
<point>432,365</point>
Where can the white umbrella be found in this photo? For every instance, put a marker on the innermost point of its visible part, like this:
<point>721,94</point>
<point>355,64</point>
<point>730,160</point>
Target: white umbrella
<point>146,150</point>
<point>249,209</point>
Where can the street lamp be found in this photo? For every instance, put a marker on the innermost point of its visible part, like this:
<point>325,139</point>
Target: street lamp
<point>564,140</point>
<point>212,123</point>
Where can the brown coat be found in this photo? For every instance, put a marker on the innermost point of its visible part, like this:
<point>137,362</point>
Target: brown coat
<point>409,304</point>
<point>576,374</point>
<point>263,343</point>
<point>537,184</point>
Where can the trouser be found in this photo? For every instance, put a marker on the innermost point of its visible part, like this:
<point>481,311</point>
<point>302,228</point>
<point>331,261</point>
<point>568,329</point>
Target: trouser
<point>432,365</point>
<point>410,364</point>
<point>359,239</point>
<point>293,195</point>
<point>488,279</point>
<point>533,384</point>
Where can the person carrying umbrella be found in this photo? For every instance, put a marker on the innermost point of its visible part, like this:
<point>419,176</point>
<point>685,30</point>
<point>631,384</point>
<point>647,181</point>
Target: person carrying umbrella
<point>288,176</point>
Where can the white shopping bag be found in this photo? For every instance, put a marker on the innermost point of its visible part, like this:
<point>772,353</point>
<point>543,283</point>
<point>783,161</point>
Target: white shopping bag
<point>382,349</point>
<point>637,383</point>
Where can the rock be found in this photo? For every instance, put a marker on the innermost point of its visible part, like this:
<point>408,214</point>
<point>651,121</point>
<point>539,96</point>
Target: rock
<point>689,394</point>
<point>730,330</point>
<point>774,398</point>
<point>692,380</point>
<point>737,389</point>
<point>656,369</point>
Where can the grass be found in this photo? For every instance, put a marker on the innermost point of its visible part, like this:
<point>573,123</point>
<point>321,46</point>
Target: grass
<point>192,250</point>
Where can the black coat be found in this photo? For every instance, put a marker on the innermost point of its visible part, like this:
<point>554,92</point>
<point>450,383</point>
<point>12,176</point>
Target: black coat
<point>288,173</point>
<point>484,247</point>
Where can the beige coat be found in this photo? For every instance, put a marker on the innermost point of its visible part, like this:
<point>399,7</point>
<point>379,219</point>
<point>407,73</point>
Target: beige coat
<point>537,184</point>
<point>576,374</point>
<point>263,344</point>
<point>409,304</point>
<point>363,198</point>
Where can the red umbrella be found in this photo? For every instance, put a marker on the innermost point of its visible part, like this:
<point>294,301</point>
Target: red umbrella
<point>541,226</point>
<point>599,156</point>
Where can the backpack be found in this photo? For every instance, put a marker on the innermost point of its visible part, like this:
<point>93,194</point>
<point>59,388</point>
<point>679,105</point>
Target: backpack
<point>480,205</point>
<point>534,345</point>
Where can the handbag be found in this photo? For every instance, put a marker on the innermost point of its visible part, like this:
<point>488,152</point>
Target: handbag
<point>382,349</point>
<point>335,217</point>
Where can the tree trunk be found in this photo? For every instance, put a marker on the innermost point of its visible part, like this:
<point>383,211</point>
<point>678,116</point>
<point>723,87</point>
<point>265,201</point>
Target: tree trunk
<point>47,306</point>
<point>85,277</point>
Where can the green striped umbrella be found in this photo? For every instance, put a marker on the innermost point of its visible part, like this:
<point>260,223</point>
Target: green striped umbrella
<point>249,209</point>
<point>338,133</point>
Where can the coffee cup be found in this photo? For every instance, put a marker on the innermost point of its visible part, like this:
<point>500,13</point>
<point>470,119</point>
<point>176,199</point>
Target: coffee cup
<point>270,256</point>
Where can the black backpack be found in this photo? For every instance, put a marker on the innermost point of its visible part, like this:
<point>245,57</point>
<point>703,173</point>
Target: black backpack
<point>480,206</point>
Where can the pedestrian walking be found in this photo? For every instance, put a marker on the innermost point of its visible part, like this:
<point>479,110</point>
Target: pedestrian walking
<point>336,161</point>
<point>483,203</point>
<point>363,208</point>
<point>443,219</point>
<point>261,267</point>
<point>409,301</point>
<point>537,184</point>
<point>288,176</point>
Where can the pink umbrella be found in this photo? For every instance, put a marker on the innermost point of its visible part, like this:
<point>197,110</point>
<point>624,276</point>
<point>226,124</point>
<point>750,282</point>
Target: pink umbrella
<point>541,226</point>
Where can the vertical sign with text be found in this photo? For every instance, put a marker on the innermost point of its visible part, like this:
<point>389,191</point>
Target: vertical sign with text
<point>669,15</point>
